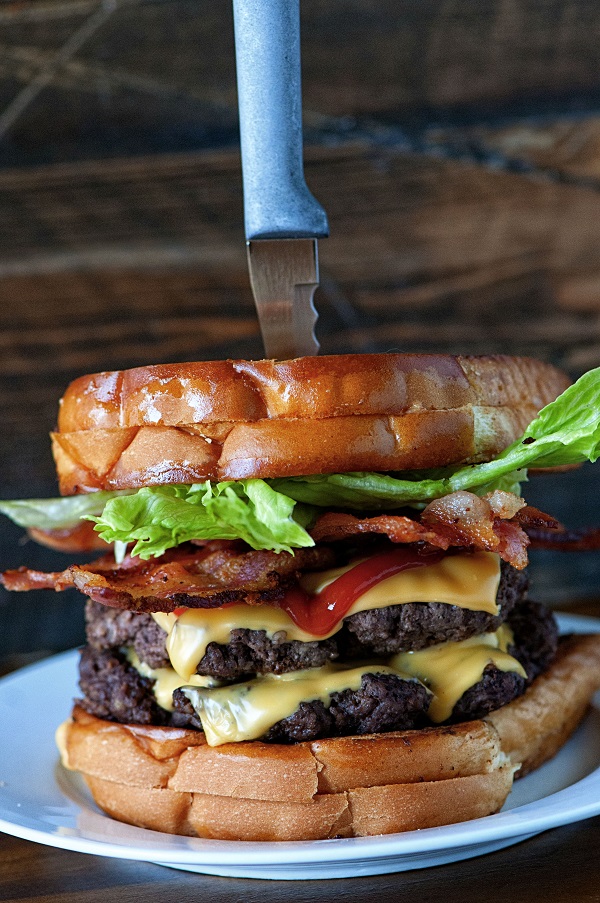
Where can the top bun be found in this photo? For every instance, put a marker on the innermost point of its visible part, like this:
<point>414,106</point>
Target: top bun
<point>228,420</point>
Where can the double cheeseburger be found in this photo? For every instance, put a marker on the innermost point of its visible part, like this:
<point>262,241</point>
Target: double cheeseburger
<point>311,618</point>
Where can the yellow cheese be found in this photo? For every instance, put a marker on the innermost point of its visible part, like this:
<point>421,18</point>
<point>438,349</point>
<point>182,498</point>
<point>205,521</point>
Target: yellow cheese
<point>449,669</point>
<point>166,680</point>
<point>468,581</point>
<point>191,633</point>
<point>246,711</point>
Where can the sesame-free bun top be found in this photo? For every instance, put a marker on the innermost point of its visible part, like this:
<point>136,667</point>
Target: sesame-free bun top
<point>227,420</point>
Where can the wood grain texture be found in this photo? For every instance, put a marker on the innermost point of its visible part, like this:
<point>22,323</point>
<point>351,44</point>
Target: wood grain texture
<point>160,75</point>
<point>490,257</point>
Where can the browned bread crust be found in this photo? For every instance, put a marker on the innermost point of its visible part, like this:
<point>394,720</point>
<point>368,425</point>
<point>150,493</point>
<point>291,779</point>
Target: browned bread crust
<point>260,791</point>
<point>170,780</point>
<point>228,420</point>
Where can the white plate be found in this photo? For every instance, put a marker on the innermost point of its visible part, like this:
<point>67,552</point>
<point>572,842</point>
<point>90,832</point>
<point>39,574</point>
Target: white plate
<point>40,801</point>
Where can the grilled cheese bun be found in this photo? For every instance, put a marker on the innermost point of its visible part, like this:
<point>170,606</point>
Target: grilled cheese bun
<point>228,420</point>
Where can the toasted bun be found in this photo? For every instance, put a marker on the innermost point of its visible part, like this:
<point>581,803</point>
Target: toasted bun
<point>170,780</point>
<point>229,420</point>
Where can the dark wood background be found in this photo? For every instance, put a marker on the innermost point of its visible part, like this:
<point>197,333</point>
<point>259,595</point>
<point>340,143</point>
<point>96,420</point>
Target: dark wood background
<point>456,147</point>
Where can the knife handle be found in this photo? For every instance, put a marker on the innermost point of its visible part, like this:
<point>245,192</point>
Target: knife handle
<point>277,202</point>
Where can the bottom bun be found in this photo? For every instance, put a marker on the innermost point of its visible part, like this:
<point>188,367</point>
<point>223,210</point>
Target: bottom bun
<point>355,813</point>
<point>170,780</point>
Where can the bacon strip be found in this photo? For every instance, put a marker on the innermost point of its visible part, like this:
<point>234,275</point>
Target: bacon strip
<point>196,577</point>
<point>337,525</point>
<point>459,519</point>
<point>216,573</point>
<point>80,538</point>
<point>563,540</point>
<point>530,517</point>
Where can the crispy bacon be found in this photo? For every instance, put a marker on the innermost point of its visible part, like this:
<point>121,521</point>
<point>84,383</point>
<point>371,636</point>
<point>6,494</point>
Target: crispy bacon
<point>504,505</point>
<point>25,579</point>
<point>459,519</point>
<point>195,577</point>
<point>530,517</point>
<point>334,526</point>
<point>563,540</point>
<point>80,538</point>
<point>211,574</point>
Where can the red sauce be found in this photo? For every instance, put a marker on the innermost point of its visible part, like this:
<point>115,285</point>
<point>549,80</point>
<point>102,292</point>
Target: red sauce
<point>321,613</point>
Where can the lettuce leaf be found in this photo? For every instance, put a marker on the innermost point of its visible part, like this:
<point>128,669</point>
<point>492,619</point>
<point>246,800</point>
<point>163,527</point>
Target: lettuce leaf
<point>158,518</point>
<point>376,491</point>
<point>57,514</point>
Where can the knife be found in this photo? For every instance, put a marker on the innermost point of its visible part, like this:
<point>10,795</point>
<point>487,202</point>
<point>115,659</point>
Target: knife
<point>282,219</point>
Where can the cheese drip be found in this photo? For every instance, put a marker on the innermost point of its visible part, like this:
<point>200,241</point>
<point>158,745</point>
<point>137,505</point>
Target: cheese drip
<point>166,680</point>
<point>468,581</point>
<point>246,711</point>
<point>450,669</point>
<point>191,632</point>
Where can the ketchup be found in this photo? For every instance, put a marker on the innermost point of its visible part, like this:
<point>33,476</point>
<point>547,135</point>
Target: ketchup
<point>319,614</point>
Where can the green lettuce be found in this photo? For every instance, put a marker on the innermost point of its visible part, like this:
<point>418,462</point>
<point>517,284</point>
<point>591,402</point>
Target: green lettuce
<point>57,514</point>
<point>158,518</point>
<point>376,491</point>
<point>274,514</point>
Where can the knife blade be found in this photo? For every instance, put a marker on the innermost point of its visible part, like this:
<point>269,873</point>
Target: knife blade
<point>284,274</point>
<point>282,218</point>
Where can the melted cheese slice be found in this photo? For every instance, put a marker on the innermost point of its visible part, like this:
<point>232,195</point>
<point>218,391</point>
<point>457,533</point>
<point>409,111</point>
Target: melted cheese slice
<point>166,680</point>
<point>450,669</point>
<point>469,581</point>
<point>246,711</point>
<point>191,633</point>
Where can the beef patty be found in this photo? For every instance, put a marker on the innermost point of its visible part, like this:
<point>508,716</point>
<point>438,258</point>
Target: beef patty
<point>416,625</point>
<point>114,690</point>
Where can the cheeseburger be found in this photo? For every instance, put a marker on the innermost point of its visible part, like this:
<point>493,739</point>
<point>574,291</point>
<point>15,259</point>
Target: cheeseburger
<point>310,618</point>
